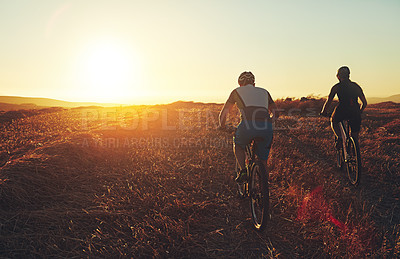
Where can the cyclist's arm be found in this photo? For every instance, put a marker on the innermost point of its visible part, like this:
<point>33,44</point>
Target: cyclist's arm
<point>363,100</point>
<point>272,108</point>
<point>224,113</point>
<point>328,102</point>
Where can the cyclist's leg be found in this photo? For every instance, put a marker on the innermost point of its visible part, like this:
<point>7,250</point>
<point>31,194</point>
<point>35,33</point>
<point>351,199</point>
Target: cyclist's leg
<point>354,135</point>
<point>355,125</point>
<point>264,162</point>
<point>335,119</point>
<point>240,140</point>
<point>264,146</point>
<point>240,155</point>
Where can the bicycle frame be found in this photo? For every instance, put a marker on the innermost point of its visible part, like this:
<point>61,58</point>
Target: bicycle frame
<point>349,146</point>
<point>250,153</point>
<point>344,132</point>
<point>250,163</point>
<point>255,187</point>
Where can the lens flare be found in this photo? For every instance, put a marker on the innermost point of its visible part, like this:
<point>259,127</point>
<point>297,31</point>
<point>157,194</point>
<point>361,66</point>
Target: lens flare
<point>359,238</point>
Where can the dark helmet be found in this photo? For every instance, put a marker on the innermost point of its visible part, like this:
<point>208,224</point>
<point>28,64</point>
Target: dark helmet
<point>246,78</point>
<point>343,72</point>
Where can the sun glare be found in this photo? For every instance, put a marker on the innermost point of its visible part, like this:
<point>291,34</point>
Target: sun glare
<point>109,73</point>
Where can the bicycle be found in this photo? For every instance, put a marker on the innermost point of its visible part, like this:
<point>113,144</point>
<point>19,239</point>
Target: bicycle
<point>347,153</point>
<point>255,187</point>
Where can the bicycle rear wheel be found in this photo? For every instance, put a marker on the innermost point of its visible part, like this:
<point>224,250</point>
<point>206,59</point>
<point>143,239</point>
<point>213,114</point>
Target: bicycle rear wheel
<point>259,196</point>
<point>353,162</point>
<point>240,186</point>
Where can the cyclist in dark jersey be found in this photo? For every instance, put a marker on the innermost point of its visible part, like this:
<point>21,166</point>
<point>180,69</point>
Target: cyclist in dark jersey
<point>255,105</point>
<point>348,93</point>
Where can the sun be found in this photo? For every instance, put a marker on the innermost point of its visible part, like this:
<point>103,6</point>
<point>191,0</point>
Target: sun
<point>109,72</point>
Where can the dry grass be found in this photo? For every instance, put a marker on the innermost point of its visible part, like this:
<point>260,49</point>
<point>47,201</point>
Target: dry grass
<point>108,183</point>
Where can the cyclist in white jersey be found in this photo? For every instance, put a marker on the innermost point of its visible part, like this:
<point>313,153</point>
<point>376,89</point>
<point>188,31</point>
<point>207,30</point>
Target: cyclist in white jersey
<point>255,105</point>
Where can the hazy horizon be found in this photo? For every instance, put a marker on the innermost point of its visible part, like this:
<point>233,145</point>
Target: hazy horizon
<point>165,51</point>
<point>371,100</point>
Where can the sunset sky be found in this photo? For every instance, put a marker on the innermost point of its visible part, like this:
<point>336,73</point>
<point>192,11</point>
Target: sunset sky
<point>162,51</point>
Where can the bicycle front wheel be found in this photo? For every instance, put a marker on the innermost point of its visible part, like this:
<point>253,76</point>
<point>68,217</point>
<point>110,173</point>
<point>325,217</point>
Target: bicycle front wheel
<point>259,196</point>
<point>353,163</point>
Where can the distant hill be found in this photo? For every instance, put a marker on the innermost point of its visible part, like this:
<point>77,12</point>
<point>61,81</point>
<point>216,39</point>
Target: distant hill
<point>24,106</point>
<point>17,103</point>
<point>8,103</point>
<point>393,98</point>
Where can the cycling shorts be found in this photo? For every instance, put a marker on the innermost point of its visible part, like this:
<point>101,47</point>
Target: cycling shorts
<point>354,117</point>
<point>248,130</point>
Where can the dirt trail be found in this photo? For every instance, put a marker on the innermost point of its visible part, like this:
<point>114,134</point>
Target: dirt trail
<point>108,193</point>
<point>372,207</point>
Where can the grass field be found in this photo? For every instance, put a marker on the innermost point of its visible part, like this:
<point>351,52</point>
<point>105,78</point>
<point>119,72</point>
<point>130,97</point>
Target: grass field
<point>156,181</point>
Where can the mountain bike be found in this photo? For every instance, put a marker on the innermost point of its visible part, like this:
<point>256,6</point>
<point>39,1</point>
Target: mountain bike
<point>348,154</point>
<point>256,187</point>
